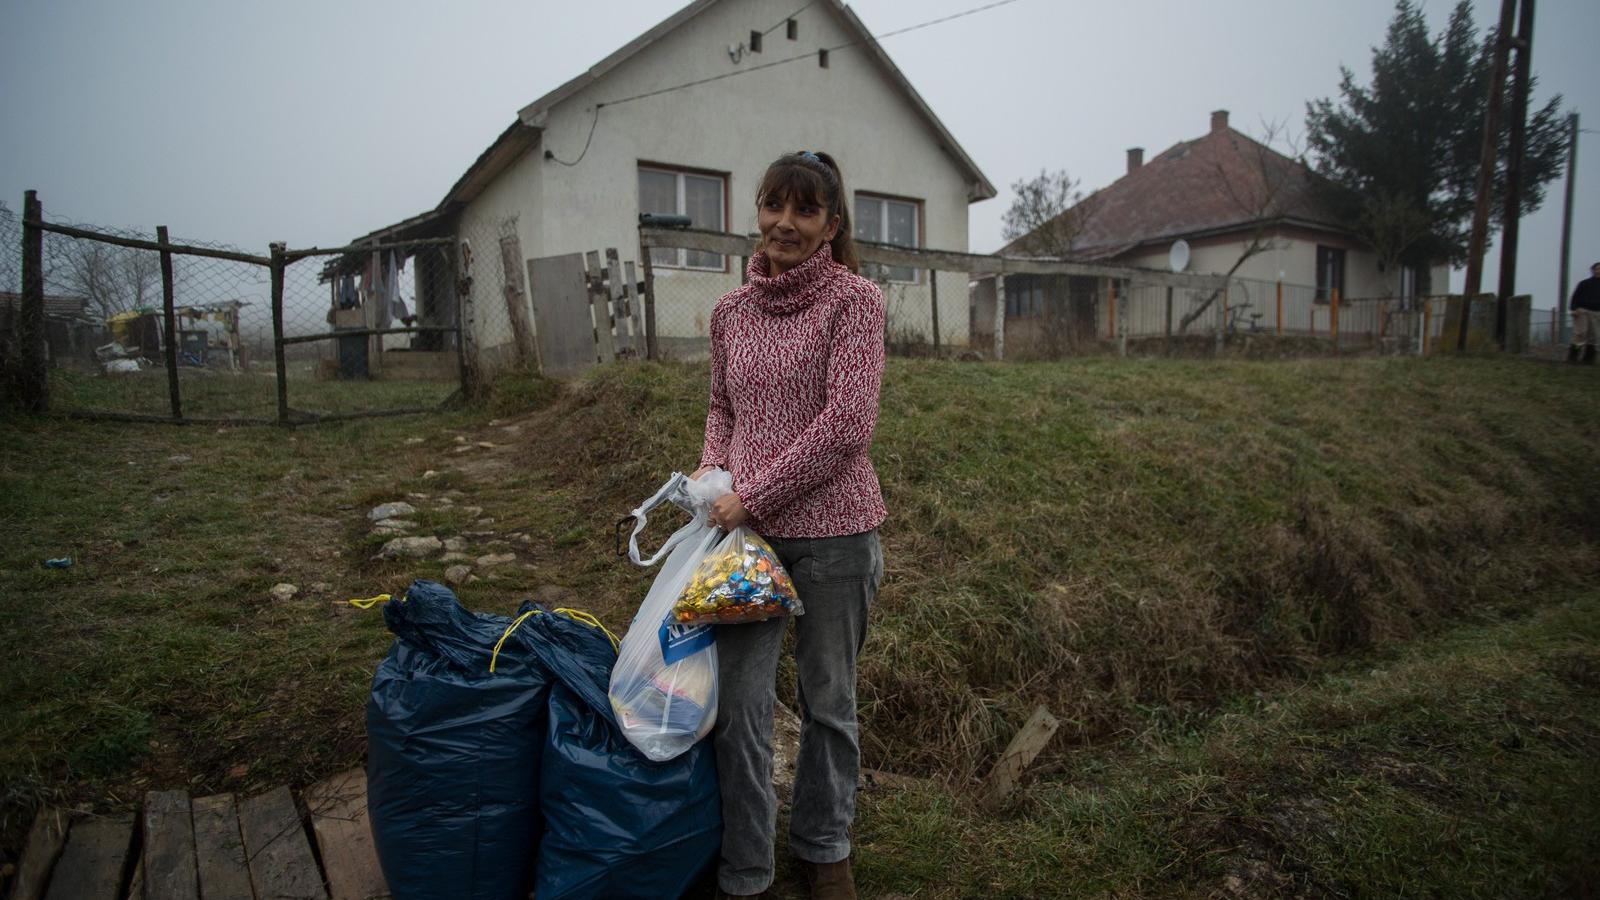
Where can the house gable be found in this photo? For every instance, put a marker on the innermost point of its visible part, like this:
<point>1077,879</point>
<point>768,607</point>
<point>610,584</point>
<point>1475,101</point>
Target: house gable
<point>536,114</point>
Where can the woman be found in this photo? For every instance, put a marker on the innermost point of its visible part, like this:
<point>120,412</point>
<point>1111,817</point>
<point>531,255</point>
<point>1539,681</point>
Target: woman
<point>796,361</point>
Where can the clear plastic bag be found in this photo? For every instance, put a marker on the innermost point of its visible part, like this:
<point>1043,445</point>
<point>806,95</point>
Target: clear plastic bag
<point>664,686</point>
<point>740,580</point>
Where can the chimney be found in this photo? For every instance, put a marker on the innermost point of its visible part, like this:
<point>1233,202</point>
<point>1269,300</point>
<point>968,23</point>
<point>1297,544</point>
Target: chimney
<point>1135,158</point>
<point>1219,120</point>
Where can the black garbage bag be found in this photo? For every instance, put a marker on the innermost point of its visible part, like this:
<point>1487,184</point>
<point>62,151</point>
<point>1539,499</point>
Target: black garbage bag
<point>453,752</point>
<point>616,824</point>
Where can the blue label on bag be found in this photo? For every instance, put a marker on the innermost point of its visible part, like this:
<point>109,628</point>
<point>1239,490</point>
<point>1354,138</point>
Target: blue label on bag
<point>680,641</point>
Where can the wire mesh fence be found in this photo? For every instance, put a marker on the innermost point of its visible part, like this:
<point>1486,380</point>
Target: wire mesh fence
<point>1544,328</point>
<point>370,329</point>
<point>958,303</point>
<point>498,317</point>
<point>111,346</point>
<point>136,323</point>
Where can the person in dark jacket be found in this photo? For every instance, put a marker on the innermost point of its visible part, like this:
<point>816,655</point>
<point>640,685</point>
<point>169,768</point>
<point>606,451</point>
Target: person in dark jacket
<point>1585,308</point>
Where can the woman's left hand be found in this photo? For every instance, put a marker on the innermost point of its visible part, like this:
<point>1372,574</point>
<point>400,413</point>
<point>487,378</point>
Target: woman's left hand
<point>727,512</point>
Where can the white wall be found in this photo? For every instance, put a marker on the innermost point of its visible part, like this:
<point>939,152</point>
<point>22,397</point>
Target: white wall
<point>735,126</point>
<point>514,196</point>
<point>1292,260</point>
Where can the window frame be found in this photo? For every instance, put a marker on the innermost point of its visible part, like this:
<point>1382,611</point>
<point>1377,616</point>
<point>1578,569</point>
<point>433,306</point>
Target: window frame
<point>680,203</point>
<point>918,224</point>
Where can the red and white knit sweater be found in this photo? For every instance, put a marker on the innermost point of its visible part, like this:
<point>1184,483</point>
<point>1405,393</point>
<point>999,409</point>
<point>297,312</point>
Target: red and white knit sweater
<point>796,362</point>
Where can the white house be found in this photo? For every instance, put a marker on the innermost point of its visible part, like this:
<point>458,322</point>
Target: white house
<point>684,119</point>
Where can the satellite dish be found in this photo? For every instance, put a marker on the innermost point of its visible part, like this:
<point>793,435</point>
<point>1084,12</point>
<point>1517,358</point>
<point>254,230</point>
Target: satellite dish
<point>1178,256</point>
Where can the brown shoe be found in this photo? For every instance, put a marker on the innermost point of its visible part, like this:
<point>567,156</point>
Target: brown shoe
<point>831,881</point>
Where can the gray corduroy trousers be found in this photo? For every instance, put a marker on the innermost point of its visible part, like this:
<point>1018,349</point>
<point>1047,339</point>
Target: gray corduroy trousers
<point>836,579</point>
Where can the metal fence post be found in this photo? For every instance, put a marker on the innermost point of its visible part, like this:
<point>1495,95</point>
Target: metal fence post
<point>1166,340</point>
<point>1279,318</point>
<point>1222,320</point>
<point>32,343</point>
<point>933,290</point>
<point>1333,317</point>
<point>278,264</point>
<point>170,315</point>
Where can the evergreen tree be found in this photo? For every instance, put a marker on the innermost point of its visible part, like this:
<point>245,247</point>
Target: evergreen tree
<point>1400,155</point>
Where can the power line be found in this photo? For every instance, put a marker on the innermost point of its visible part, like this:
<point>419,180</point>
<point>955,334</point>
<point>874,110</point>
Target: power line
<point>783,21</point>
<point>811,55</point>
<point>550,155</point>
<point>778,62</point>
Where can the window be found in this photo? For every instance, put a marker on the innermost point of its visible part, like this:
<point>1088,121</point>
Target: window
<point>886,221</point>
<point>1330,272</point>
<point>679,193</point>
<point>1025,296</point>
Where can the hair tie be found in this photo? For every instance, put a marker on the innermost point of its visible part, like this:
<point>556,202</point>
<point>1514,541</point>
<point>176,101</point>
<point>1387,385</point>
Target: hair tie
<point>811,157</point>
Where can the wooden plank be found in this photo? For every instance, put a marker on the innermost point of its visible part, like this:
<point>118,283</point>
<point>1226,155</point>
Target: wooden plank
<point>635,307</point>
<point>281,864</point>
<point>168,857</point>
<point>619,303</point>
<point>138,244</point>
<point>95,860</point>
<point>1038,730</point>
<point>605,349</point>
<point>562,321</point>
<point>516,297</point>
<point>45,839</point>
<point>338,809</point>
<point>944,260</point>
<point>219,849</point>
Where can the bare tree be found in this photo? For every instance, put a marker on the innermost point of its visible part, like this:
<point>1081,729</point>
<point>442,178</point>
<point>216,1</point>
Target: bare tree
<point>1047,218</point>
<point>1047,215</point>
<point>113,279</point>
<point>1262,193</point>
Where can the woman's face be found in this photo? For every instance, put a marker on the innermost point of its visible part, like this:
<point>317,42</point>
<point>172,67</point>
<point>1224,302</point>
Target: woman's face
<point>792,229</point>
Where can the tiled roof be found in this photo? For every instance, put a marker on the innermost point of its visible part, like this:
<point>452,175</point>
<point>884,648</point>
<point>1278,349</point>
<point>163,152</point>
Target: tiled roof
<point>1221,182</point>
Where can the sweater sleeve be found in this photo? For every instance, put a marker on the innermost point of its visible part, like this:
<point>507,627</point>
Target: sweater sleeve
<point>849,413</point>
<point>719,419</point>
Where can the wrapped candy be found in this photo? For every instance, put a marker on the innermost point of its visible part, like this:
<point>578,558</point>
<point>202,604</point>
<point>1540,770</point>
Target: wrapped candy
<point>741,580</point>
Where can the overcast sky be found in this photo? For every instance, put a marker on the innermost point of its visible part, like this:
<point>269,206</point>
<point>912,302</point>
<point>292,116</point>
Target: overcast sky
<point>314,122</point>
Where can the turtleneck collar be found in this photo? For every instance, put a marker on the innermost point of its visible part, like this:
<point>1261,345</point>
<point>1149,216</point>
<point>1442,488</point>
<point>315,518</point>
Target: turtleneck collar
<point>795,289</point>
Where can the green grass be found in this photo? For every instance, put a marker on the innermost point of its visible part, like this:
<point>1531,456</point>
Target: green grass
<point>1195,565</point>
<point>1460,767</point>
<point>251,394</point>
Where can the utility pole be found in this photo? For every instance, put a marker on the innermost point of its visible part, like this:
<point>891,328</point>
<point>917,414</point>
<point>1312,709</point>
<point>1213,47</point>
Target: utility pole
<point>1491,141</point>
<point>1513,209</point>
<point>1566,228</point>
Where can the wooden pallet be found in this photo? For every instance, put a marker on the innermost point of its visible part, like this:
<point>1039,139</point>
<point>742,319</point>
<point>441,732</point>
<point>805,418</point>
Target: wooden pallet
<point>210,848</point>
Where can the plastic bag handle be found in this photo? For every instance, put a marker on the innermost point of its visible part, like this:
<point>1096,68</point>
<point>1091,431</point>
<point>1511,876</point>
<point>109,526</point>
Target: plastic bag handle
<point>668,490</point>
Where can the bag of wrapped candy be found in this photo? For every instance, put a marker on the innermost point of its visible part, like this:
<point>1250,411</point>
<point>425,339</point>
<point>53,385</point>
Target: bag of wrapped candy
<point>740,580</point>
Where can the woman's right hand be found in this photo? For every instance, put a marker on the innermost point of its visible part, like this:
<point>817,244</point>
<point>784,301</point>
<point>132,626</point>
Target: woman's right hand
<point>700,471</point>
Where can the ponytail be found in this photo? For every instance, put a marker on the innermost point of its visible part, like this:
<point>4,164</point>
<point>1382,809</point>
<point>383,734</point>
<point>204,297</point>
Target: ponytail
<point>844,242</point>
